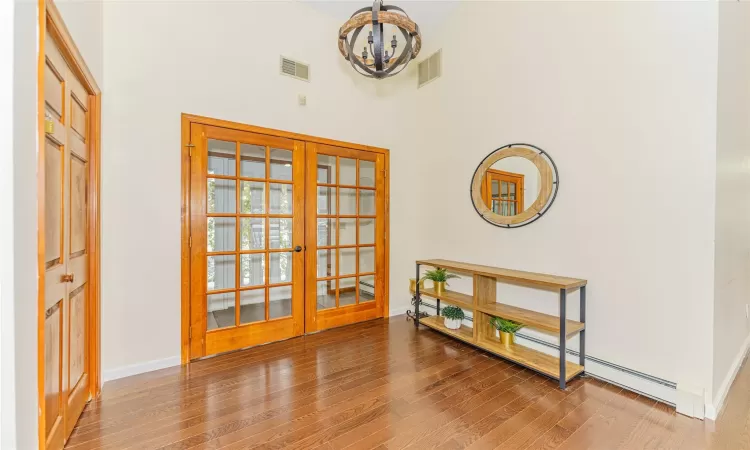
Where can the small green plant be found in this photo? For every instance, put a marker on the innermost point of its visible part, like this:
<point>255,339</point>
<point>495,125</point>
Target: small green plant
<point>505,325</point>
<point>453,313</point>
<point>438,275</point>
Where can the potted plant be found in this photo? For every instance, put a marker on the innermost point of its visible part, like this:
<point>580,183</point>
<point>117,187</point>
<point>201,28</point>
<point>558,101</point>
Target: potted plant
<point>413,284</point>
<point>452,315</point>
<point>439,279</point>
<point>505,329</point>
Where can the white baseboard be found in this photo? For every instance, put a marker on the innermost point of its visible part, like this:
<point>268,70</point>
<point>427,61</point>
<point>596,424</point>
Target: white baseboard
<point>149,366</point>
<point>713,409</point>
<point>135,369</point>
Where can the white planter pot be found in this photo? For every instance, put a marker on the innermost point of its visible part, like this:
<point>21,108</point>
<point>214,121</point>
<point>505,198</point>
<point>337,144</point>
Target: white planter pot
<point>452,324</point>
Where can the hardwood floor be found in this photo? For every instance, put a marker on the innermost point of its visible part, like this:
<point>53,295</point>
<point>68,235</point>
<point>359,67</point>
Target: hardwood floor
<point>381,384</point>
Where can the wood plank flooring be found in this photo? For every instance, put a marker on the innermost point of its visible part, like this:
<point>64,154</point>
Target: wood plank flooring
<point>382,384</point>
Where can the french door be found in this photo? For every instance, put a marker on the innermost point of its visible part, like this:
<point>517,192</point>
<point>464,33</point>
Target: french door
<point>247,220</point>
<point>345,236</point>
<point>285,236</point>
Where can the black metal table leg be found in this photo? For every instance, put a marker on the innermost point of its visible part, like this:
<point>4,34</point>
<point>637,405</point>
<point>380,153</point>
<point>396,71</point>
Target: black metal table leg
<point>416,304</point>
<point>582,335</point>
<point>563,337</point>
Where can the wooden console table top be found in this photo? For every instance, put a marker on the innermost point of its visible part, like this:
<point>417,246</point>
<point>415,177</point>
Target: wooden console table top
<point>513,276</point>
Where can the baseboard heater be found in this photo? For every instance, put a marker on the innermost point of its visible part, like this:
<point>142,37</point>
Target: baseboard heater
<point>665,384</point>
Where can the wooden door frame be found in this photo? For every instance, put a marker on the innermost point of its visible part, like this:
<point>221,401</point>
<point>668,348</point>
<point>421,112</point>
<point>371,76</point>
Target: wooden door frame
<point>187,120</point>
<point>51,21</point>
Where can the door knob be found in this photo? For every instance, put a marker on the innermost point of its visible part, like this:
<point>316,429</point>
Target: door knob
<point>298,249</point>
<point>67,278</point>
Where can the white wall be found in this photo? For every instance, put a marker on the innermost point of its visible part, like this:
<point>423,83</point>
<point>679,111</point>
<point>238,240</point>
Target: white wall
<point>621,112</point>
<point>7,329</point>
<point>84,20</point>
<point>732,265</point>
<point>24,287</point>
<point>218,60</point>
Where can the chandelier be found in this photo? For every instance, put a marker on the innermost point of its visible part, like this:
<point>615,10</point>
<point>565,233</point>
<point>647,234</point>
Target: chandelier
<point>375,61</point>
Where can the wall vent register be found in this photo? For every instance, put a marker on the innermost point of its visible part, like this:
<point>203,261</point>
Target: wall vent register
<point>295,69</point>
<point>430,68</point>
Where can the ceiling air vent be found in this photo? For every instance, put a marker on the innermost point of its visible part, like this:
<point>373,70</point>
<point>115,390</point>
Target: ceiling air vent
<point>430,68</point>
<point>295,69</point>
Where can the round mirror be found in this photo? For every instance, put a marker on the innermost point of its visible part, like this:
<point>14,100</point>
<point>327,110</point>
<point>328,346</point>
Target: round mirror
<point>514,185</point>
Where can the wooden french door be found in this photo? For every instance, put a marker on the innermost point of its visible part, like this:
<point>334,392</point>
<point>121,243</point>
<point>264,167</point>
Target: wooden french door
<point>247,239</point>
<point>67,214</point>
<point>346,229</point>
<point>284,236</point>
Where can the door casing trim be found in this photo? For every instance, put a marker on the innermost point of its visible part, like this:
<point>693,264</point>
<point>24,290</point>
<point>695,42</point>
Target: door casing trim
<point>187,120</point>
<point>51,21</point>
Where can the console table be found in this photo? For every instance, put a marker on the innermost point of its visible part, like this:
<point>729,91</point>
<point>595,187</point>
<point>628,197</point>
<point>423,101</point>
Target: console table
<point>483,304</point>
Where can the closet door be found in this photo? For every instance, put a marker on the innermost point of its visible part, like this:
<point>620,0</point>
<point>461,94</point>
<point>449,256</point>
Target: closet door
<point>66,322</point>
<point>247,239</point>
<point>346,248</point>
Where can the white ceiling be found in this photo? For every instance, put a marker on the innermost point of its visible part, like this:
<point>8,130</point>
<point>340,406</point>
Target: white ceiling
<point>425,13</point>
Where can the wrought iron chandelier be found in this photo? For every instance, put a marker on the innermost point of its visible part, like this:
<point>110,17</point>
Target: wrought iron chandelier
<point>375,61</point>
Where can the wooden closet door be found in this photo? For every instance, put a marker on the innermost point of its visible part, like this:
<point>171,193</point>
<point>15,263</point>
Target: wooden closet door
<point>66,324</point>
<point>346,229</point>
<point>246,239</point>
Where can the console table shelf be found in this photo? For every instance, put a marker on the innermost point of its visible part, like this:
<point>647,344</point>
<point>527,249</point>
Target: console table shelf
<point>532,319</point>
<point>483,304</point>
<point>451,297</point>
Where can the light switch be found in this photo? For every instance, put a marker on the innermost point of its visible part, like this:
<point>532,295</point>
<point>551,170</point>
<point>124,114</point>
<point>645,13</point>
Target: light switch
<point>302,100</point>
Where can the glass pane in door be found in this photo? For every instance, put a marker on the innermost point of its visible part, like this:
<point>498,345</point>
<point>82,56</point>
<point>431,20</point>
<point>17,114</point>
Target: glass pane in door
<point>346,237</point>
<point>326,294</point>
<point>222,157</point>
<point>281,164</point>
<point>279,302</point>
<point>220,310</point>
<point>348,171</point>
<point>222,195</point>
<point>367,173</point>
<point>326,169</point>
<point>367,288</point>
<point>252,306</point>
<point>347,291</point>
<point>252,161</point>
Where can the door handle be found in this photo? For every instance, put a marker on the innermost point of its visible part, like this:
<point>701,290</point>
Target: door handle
<point>298,249</point>
<point>67,278</point>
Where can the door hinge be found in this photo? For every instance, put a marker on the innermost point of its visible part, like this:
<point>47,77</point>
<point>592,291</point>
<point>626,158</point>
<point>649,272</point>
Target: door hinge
<point>190,242</point>
<point>190,332</point>
<point>190,149</point>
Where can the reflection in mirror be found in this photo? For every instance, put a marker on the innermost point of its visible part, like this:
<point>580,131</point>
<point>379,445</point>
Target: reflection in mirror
<point>347,291</point>
<point>326,294</point>
<point>514,185</point>
<point>511,186</point>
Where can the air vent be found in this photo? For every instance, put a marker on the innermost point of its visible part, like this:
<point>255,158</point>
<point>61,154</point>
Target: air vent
<point>295,69</point>
<point>430,68</point>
